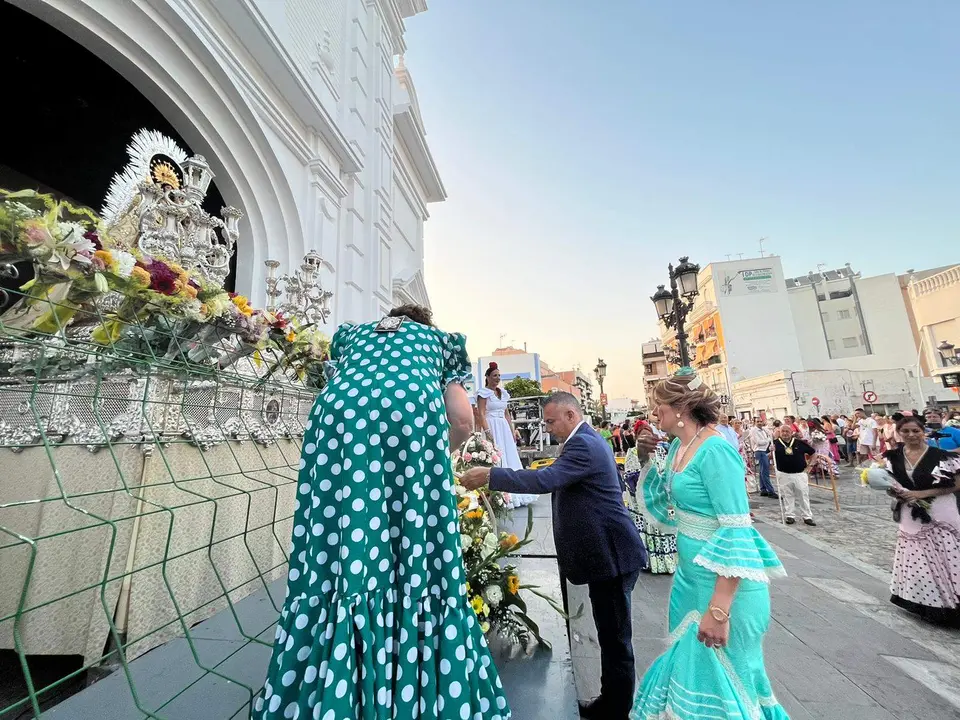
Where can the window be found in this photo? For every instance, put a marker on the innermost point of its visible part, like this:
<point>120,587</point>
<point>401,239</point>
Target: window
<point>825,316</point>
<point>843,315</point>
<point>837,294</point>
<point>648,368</point>
<point>850,342</point>
<point>821,298</point>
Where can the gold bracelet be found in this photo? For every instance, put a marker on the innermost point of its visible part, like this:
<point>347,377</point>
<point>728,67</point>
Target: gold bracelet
<point>724,616</point>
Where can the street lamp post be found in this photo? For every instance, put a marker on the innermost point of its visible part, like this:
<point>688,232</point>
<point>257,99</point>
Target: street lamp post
<point>948,353</point>
<point>601,372</point>
<point>674,304</point>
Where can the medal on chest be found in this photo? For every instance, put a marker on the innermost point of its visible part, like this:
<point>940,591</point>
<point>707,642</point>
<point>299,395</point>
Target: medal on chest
<point>788,449</point>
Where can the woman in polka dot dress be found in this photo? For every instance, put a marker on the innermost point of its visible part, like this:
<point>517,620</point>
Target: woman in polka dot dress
<point>375,625</point>
<point>926,564</point>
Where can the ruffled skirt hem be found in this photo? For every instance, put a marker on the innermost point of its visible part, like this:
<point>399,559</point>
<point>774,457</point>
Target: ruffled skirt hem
<point>380,656</point>
<point>692,682</point>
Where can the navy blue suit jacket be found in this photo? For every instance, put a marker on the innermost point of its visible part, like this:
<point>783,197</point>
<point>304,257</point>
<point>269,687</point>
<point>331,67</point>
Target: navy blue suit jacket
<point>595,536</point>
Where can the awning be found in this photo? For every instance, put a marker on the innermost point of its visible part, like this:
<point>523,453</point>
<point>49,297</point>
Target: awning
<point>710,348</point>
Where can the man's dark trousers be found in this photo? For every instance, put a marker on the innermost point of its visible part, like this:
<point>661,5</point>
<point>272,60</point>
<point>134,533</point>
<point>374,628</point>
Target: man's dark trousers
<point>611,612</point>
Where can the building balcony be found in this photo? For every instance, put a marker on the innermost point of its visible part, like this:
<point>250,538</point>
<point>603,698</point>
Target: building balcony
<point>932,284</point>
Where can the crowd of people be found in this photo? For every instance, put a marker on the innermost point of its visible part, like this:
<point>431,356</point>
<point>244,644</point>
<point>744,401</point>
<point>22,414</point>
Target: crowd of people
<point>375,623</point>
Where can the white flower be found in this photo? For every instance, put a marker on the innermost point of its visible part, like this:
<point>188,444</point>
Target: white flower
<point>490,542</point>
<point>19,211</point>
<point>192,309</point>
<point>101,283</point>
<point>493,595</point>
<point>125,262</point>
<point>466,541</point>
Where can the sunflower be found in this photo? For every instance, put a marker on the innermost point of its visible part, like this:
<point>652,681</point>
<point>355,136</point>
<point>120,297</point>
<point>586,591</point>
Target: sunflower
<point>513,584</point>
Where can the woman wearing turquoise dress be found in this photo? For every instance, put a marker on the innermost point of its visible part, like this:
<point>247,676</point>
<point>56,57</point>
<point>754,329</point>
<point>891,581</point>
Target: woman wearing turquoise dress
<point>719,603</point>
<point>375,624</point>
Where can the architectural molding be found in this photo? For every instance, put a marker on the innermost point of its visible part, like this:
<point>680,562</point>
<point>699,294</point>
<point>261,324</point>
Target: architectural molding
<point>411,290</point>
<point>409,128</point>
<point>254,32</point>
<point>321,170</point>
<point>389,12</point>
<point>409,8</point>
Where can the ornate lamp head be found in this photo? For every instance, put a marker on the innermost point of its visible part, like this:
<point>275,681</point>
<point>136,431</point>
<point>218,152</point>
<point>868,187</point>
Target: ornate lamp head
<point>196,178</point>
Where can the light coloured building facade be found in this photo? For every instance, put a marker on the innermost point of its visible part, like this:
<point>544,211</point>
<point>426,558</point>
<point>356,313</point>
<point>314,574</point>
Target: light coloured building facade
<point>740,325</point>
<point>307,115</point>
<point>654,365</point>
<point>773,344</point>
<point>932,301</point>
<point>844,321</point>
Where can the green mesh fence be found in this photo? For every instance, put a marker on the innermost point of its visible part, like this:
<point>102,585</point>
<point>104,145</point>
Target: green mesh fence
<point>141,493</point>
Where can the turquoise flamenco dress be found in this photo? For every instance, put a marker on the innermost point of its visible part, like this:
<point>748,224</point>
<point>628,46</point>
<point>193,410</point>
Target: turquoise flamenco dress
<point>375,624</point>
<point>707,504</point>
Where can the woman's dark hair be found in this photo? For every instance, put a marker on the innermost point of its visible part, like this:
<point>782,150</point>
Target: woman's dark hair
<point>815,423</point>
<point>897,417</point>
<point>416,313</point>
<point>904,421</point>
<point>604,424</point>
<point>493,366</point>
<point>777,423</point>
<point>826,417</point>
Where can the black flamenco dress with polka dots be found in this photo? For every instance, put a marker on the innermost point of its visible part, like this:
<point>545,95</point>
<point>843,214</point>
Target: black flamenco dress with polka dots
<point>375,624</point>
<point>926,564</point>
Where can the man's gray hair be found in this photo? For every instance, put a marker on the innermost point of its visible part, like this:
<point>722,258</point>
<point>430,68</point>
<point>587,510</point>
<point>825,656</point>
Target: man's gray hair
<point>565,399</point>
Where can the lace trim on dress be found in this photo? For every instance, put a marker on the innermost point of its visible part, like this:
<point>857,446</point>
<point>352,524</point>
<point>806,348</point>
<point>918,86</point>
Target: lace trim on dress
<point>741,520</point>
<point>761,575</point>
<point>698,527</point>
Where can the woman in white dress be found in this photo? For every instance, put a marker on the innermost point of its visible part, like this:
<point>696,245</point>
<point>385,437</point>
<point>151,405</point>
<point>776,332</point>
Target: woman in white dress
<point>496,421</point>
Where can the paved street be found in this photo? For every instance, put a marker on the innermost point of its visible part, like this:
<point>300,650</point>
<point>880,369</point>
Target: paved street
<point>837,649</point>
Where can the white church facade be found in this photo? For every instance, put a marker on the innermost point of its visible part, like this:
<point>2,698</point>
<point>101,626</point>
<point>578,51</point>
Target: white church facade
<point>305,112</point>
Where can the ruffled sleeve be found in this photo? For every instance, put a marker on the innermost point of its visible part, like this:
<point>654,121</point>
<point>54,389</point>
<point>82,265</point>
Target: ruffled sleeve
<point>341,341</point>
<point>652,498</point>
<point>735,549</point>
<point>485,393</point>
<point>456,362</point>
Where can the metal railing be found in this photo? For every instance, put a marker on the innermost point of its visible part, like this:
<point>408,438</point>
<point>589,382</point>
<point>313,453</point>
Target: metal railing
<point>141,493</point>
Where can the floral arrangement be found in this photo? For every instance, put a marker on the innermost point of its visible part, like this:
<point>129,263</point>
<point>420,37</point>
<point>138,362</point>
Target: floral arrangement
<point>479,451</point>
<point>818,436</point>
<point>164,311</point>
<point>493,584</point>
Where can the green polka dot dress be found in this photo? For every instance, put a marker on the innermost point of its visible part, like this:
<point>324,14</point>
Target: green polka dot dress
<point>375,624</point>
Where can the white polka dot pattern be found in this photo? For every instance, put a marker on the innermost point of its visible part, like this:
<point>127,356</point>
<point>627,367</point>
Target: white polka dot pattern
<point>375,624</point>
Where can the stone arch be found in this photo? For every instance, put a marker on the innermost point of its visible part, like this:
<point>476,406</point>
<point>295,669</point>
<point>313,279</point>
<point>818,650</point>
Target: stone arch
<point>169,53</point>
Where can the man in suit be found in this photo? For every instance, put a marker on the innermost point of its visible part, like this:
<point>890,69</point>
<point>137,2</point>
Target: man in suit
<point>597,542</point>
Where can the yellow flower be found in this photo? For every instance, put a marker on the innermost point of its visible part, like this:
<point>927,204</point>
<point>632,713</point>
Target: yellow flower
<point>474,514</point>
<point>107,258</point>
<point>509,541</point>
<point>140,277</point>
<point>291,336</point>
<point>243,305</point>
<point>190,291</point>
<point>464,503</point>
<point>513,584</point>
<point>484,627</point>
<point>477,604</point>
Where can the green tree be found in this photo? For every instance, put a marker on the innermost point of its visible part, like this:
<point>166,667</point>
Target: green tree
<point>523,387</point>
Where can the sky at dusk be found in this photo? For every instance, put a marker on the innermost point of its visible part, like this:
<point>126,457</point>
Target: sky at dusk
<point>583,150</point>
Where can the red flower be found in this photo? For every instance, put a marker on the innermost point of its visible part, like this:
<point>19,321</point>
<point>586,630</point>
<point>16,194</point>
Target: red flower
<point>93,237</point>
<point>162,279</point>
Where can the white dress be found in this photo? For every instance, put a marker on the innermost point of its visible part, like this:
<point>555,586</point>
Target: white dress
<point>502,437</point>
